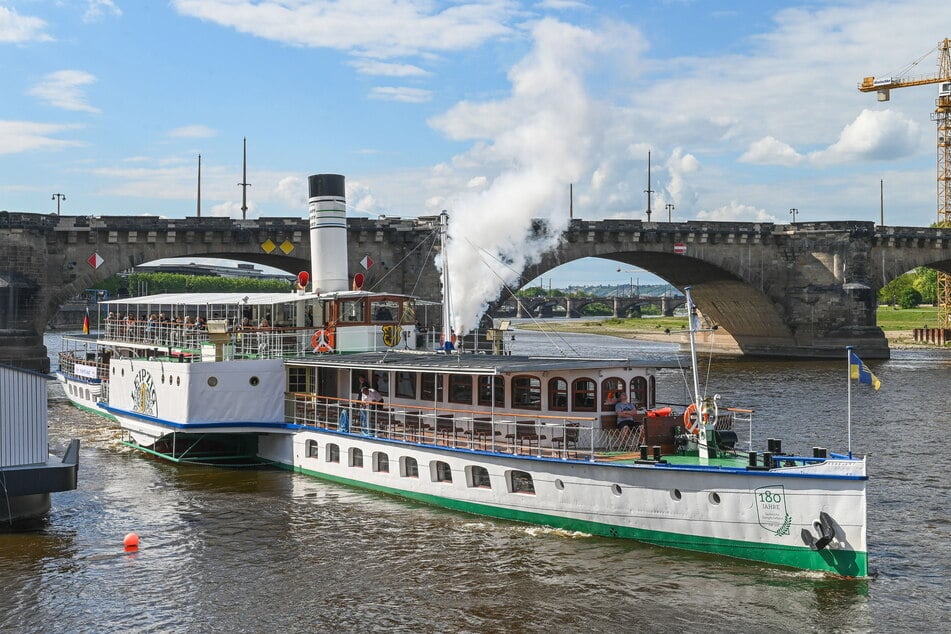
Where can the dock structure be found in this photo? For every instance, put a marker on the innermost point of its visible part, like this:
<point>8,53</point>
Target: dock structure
<point>28,472</point>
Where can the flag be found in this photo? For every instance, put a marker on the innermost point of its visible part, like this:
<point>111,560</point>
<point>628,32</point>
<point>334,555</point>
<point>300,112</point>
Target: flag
<point>86,322</point>
<point>858,370</point>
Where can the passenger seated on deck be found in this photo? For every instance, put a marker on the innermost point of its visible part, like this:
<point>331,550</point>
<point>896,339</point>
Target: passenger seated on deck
<point>626,413</point>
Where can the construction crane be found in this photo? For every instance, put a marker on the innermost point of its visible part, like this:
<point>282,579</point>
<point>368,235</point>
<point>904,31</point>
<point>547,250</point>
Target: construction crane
<point>942,117</point>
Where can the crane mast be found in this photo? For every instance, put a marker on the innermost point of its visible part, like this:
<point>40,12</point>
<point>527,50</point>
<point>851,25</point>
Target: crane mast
<point>942,118</point>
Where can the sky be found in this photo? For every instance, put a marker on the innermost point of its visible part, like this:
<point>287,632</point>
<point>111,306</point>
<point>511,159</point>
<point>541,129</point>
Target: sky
<point>489,109</point>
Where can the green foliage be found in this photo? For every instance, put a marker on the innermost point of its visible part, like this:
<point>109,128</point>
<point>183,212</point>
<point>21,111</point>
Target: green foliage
<point>179,283</point>
<point>926,283</point>
<point>909,298</point>
<point>890,293</point>
<point>596,308</point>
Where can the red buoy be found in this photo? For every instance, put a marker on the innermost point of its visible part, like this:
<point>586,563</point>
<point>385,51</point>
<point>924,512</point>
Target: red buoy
<point>131,541</point>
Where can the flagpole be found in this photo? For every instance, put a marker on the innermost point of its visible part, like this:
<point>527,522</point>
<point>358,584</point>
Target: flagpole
<point>848,377</point>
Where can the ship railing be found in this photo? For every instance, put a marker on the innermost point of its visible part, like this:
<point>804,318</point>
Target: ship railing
<point>519,433</point>
<point>739,419</point>
<point>69,359</point>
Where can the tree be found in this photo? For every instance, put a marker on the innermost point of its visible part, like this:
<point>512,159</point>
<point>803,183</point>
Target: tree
<point>909,298</point>
<point>926,283</point>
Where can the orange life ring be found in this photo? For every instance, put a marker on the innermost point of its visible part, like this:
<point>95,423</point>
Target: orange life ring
<point>691,420</point>
<point>323,340</point>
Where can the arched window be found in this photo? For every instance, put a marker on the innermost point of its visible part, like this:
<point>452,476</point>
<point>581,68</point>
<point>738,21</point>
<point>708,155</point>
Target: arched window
<point>442,472</point>
<point>409,468</point>
<point>333,453</point>
<point>356,457</point>
<point>521,482</point>
<point>639,391</point>
<point>558,394</point>
<point>611,390</point>
<point>583,395</point>
<point>479,477</point>
<point>526,392</point>
<point>312,449</point>
<point>381,462</point>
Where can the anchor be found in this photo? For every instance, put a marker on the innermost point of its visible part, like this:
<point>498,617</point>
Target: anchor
<point>826,529</point>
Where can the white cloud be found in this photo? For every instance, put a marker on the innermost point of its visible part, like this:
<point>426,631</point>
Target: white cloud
<point>23,136</point>
<point>17,29</point>
<point>405,95</point>
<point>875,135</point>
<point>192,132</point>
<point>736,212</point>
<point>96,9</point>
<point>63,89</point>
<point>386,69</point>
<point>771,151</point>
<point>382,29</point>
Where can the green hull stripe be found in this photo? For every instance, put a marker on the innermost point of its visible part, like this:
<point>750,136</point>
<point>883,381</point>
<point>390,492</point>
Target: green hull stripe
<point>95,411</point>
<point>840,562</point>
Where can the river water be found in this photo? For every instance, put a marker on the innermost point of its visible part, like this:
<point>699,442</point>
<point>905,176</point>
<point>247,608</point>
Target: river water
<point>266,550</point>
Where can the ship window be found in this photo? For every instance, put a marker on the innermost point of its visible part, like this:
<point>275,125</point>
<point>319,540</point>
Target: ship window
<point>381,462</point>
<point>300,380</point>
<point>583,395</point>
<point>431,388</point>
<point>312,449</point>
<point>385,310</point>
<point>178,381</point>
<point>352,311</point>
<point>492,391</point>
<point>406,385</point>
<point>212,381</point>
<point>441,472</point>
<point>639,391</point>
<point>253,381</point>
<point>526,392</point>
<point>479,477</point>
<point>611,390</point>
<point>521,482</point>
<point>333,453</point>
<point>460,388</point>
<point>381,381</point>
<point>409,468</point>
<point>558,394</point>
<point>356,457</point>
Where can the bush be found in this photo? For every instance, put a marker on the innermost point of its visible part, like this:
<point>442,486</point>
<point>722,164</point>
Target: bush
<point>909,298</point>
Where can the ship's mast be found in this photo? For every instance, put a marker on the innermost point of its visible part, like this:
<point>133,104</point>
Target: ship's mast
<point>447,294</point>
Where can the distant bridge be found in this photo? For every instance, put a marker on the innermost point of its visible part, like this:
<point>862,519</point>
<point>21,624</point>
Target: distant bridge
<point>574,305</point>
<point>806,289</point>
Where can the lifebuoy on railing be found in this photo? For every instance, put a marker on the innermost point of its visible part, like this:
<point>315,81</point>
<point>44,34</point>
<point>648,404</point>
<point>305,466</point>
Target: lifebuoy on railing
<point>323,340</point>
<point>708,414</point>
<point>691,420</point>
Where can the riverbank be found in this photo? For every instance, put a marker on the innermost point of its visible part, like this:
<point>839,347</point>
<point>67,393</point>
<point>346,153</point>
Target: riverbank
<point>654,330</point>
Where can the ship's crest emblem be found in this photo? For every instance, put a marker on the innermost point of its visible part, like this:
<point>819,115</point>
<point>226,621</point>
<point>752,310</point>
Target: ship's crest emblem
<point>771,509</point>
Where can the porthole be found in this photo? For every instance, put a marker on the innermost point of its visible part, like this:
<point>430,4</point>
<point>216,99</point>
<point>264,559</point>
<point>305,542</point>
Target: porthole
<point>122,372</point>
<point>675,494</point>
<point>559,485</point>
<point>178,381</point>
<point>254,381</point>
<point>212,381</point>
<point>714,498</point>
<point>163,379</point>
<point>616,489</point>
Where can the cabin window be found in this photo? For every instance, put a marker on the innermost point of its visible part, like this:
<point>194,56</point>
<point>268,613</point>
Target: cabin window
<point>526,392</point>
<point>431,387</point>
<point>521,482</point>
<point>312,449</point>
<point>333,453</point>
<point>385,310</point>
<point>406,385</point>
<point>381,381</point>
<point>611,390</point>
<point>460,388</point>
<point>639,391</point>
<point>584,395</point>
<point>479,477</point>
<point>442,472</point>
<point>409,468</point>
<point>300,380</point>
<point>492,391</point>
<point>558,394</point>
<point>352,310</point>
<point>356,457</point>
<point>381,462</point>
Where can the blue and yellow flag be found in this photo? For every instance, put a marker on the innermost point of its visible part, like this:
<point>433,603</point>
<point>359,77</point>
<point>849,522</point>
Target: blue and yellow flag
<point>858,370</point>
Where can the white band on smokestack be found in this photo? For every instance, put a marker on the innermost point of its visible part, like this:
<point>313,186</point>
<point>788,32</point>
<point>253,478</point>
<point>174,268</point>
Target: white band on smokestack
<point>327,204</point>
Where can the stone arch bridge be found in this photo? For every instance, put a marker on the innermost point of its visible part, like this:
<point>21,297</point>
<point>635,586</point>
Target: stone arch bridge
<point>806,289</point>
<point>572,306</point>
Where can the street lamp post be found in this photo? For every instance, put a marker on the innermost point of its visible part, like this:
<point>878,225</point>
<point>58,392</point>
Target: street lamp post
<point>58,197</point>
<point>794,213</point>
<point>669,207</point>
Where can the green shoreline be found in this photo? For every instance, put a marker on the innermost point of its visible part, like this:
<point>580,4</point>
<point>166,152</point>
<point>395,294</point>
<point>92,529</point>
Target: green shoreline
<point>898,326</point>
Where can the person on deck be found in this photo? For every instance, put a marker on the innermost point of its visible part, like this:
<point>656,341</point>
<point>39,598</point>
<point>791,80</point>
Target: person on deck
<point>371,402</point>
<point>626,416</point>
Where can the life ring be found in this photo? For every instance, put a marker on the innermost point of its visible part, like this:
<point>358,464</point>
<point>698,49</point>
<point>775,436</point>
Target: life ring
<point>691,420</point>
<point>322,340</point>
<point>708,412</point>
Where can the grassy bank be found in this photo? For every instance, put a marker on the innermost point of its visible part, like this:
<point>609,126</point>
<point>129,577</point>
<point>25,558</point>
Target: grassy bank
<point>897,325</point>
